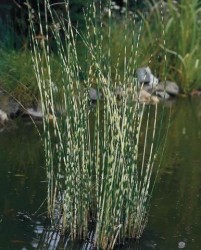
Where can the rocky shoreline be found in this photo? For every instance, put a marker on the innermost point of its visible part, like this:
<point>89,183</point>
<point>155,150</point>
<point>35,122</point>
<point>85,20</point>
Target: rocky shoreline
<point>149,90</point>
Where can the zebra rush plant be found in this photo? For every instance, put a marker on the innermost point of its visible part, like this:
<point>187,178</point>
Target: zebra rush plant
<point>99,158</point>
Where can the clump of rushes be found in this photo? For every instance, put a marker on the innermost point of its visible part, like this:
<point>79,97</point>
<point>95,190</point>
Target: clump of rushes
<point>99,161</point>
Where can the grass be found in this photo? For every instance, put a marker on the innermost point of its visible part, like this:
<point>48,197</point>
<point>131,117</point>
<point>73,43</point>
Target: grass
<point>100,160</point>
<point>182,37</point>
<point>17,75</point>
<point>18,78</point>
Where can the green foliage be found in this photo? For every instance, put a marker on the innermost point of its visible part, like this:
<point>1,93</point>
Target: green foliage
<point>17,75</point>
<point>184,48</point>
<point>18,78</point>
<point>176,33</point>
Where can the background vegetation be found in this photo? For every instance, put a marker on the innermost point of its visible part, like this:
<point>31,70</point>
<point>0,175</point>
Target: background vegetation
<point>177,22</point>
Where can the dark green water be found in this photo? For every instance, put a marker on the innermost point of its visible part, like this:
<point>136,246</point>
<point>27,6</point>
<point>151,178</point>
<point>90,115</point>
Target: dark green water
<point>175,212</point>
<point>22,189</point>
<point>176,205</point>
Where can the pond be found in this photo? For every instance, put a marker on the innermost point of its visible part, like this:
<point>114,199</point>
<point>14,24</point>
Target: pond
<point>175,214</point>
<point>22,186</point>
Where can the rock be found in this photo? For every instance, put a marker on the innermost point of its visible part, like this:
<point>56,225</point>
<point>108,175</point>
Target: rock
<point>145,97</point>
<point>163,95</point>
<point>142,96</point>
<point>170,87</point>
<point>144,75</point>
<point>195,92</point>
<point>154,99</point>
<point>163,91</point>
<point>153,81</point>
<point>94,94</point>
<point>148,88</point>
<point>34,113</point>
<point>3,117</point>
<point>9,105</point>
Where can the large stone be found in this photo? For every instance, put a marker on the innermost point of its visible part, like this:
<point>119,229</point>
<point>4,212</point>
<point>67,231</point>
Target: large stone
<point>163,95</point>
<point>144,75</point>
<point>34,113</point>
<point>168,86</point>
<point>148,88</point>
<point>145,97</point>
<point>142,96</point>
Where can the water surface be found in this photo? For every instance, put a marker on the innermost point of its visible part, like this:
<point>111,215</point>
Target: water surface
<point>23,188</point>
<point>175,212</point>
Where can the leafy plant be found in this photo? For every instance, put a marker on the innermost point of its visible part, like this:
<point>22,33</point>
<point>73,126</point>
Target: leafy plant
<point>179,23</point>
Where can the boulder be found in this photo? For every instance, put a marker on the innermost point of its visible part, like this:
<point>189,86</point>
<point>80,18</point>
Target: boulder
<point>142,96</point>
<point>168,86</point>
<point>144,75</point>
<point>34,113</point>
<point>148,88</point>
<point>162,95</point>
<point>145,97</point>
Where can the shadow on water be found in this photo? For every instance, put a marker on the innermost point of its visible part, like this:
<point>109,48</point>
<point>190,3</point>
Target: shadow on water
<point>175,212</point>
